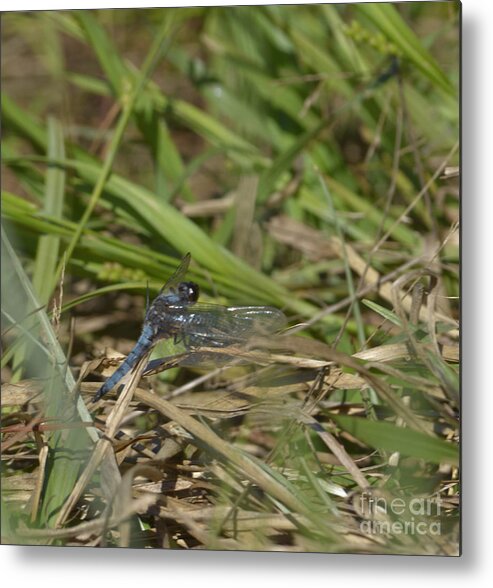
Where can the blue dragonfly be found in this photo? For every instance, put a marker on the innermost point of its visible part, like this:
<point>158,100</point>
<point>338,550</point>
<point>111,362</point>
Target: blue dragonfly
<point>176,314</point>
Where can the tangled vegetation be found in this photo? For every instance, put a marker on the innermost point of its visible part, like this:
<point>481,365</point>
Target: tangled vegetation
<point>306,157</point>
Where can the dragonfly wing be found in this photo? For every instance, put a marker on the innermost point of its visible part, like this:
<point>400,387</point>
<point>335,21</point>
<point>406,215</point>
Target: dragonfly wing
<point>179,274</point>
<point>208,325</point>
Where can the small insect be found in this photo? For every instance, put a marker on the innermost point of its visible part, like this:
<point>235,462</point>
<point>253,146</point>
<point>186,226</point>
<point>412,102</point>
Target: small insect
<point>176,314</point>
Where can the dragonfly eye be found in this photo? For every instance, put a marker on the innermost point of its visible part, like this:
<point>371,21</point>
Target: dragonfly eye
<point>189,291</point>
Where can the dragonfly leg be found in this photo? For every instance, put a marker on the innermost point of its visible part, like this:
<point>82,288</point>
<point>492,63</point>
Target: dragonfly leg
<point>183,338</point>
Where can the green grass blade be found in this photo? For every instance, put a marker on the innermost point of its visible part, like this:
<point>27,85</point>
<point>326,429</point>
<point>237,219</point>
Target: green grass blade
<point>129,104</point>
<point>108,57</point>
<point>388,437</point>
<point>47,253</point>
<point>67,448</point>
<point>384,312</point>
<point>387,19</point>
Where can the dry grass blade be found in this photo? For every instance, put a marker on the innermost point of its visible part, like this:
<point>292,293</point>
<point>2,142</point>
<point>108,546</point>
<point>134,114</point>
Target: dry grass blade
<point>337,449</point>
<point>36,497</point>
<point>239,460</point>
<point>317,245</point>
<point>95,526</point>
<point>104,444</point>
<point>124,498</point>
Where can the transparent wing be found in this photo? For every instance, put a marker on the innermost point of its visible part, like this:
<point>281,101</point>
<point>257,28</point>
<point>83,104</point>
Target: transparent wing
<point>210,325</point>
<point>179,274</point>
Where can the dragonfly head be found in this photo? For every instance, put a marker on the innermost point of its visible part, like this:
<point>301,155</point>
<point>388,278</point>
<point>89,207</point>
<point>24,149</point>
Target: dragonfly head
<point>188,292</point>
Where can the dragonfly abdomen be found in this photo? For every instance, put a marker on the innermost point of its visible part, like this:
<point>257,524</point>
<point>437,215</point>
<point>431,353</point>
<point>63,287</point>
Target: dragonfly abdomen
<point>143,344</point>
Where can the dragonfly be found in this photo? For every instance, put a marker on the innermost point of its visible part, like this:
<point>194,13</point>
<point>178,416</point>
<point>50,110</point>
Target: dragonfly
<point>176,314</point>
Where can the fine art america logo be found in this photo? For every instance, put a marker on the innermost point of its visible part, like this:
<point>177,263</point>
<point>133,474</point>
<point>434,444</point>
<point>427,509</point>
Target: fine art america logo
<point>397,516</point>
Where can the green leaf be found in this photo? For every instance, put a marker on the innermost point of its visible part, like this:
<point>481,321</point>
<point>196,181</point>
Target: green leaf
<point>388,437</point>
